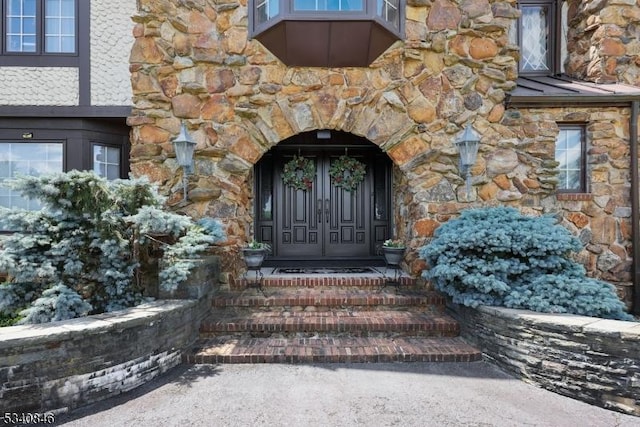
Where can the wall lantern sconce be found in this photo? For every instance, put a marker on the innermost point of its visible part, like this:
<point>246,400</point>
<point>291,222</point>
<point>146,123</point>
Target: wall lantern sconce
<point>467,142</point>
<point>184,147</point>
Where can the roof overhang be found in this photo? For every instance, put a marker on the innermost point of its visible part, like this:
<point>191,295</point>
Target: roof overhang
<point>561,91</point>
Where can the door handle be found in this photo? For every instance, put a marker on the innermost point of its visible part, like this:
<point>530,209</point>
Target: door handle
<point>326,209</point>
<point>319,210</point>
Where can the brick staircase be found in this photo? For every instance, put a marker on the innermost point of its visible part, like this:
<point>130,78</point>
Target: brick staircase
<point>329,319</point>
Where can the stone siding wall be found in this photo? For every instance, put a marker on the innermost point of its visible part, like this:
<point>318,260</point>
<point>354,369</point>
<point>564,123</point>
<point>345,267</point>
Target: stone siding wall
<point>111,42</point>
<point>601,217</point>
<point>39,86</point>
<point>455,66</point>
<point>196,64</point>
<point>590,359</point>
<point>603,42</point>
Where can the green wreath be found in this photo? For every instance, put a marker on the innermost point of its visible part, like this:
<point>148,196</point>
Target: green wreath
<point>299,173</point>
<point>347,172</point>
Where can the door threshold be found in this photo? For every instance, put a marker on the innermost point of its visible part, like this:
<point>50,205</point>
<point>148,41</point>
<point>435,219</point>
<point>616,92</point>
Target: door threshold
<point>318,263</point>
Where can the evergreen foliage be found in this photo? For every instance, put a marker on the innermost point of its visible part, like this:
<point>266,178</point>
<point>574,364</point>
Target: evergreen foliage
<point>497,256</point>
<point>78,255</point>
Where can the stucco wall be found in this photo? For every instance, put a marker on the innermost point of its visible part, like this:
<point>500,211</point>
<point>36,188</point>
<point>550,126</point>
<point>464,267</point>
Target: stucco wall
<point>586,358</point>
<point>111,42</point>
<point>39,86</point>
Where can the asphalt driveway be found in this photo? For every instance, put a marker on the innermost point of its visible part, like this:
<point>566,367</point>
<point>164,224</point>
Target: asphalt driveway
<point>411,394</point>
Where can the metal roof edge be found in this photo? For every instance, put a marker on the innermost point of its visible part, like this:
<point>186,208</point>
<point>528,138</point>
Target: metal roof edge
<point>520,101</point>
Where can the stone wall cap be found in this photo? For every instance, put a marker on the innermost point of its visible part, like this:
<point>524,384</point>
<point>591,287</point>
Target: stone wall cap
<point>56,331</point>
<point>614,328</point>
<point>620,328</point>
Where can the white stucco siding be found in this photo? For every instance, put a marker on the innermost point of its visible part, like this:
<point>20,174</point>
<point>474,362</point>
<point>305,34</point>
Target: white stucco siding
<point>39,86</point>
<point>111,41</point>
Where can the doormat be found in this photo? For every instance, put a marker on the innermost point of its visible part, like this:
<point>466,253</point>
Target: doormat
<point>324,270</point>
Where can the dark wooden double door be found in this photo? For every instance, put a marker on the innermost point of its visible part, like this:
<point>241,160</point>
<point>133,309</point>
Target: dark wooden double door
<point>325,222</point>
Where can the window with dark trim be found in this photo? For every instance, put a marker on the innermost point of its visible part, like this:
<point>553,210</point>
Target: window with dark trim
<point>107,160</point>
<point>39,27</point>
<point>571,158</point>
<point>27,158</point>
<point>540,36</point>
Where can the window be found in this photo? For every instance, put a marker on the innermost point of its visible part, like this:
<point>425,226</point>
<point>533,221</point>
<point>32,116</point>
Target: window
<point>343,5</point>
<point>38,27</point>
<point>20,158</point>
<point>571,156</point>
<point>540,36</point>
<point>266,10</point>
<point>106,161</point>
<point>327,33</point>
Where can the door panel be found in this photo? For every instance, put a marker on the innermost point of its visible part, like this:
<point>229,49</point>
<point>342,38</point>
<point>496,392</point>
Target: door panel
<point>326,221</point>
<point>347,232</point>
<point>297,214</point>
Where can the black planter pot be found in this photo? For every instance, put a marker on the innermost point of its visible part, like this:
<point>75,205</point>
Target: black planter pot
<point>393,256</point>
<point>254,257</point>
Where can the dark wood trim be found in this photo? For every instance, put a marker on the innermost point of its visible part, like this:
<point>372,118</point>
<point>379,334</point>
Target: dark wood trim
<point>84,50</point>
<point>77,134</point>
<point>635,205</point>
<point>582,127</point>
<point>120,111</point>
<point>554,43</point>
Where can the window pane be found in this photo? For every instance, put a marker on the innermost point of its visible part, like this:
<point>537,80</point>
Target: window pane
<point>569,155</point>
<point>14,7</point>
<point>20,29</point>
<point>328,5</point>
<point>113,172</point>
<point>60,25</point>
<point>266,9</point>
<point>29,7</point>
<point>29,26</point>
<point>388,10</point>
<point>67,26</point>
<point>68,8</point>
<point>14,25</point>
<point>18,158</point>
<point>106,161</point>
<point>535,38</point>
<point>113,155</point>
<point>52,26</point>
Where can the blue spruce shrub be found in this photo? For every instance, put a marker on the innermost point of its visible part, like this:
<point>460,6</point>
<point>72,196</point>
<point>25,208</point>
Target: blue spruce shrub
<point>80,253</point>
<point>56,303</point>
<point>497,256</point>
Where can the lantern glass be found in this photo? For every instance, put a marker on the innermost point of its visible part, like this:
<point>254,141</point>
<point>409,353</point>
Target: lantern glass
<point>184,147</point>
<point>468,143</point>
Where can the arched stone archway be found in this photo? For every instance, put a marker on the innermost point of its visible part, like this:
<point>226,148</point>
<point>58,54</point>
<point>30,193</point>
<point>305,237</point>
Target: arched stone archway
<point>322,222</point>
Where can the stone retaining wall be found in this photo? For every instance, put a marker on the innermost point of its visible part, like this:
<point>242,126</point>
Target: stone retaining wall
<point>64,365</point>
<point>586,358</point>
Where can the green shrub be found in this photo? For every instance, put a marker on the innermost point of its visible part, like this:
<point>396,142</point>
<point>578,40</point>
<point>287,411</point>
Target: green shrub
<point>80,253</point>
<point>497,256</point>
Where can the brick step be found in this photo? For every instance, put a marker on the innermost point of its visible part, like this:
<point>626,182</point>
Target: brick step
<point>331,350</point>
<point>330,298</point>
<point>369,281</point>
<point>356,323</point>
